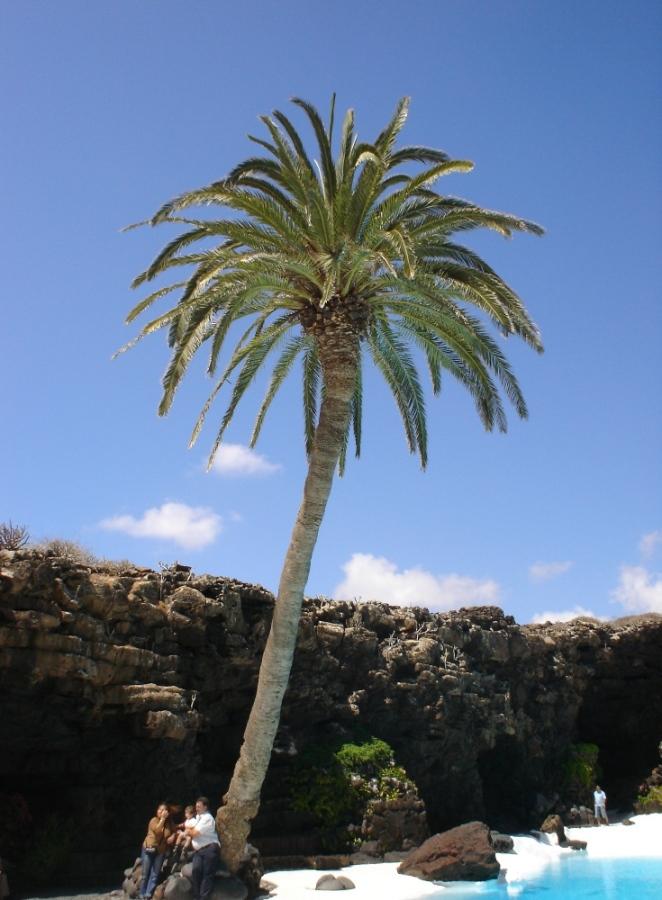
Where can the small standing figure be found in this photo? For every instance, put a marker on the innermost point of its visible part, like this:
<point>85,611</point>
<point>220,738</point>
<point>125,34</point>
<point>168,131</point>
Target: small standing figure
<point>155,845</point>
<point>206,846</point>
<point>600,805</point>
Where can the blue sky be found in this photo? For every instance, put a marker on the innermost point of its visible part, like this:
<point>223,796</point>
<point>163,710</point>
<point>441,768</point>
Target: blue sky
<point>108,110</point>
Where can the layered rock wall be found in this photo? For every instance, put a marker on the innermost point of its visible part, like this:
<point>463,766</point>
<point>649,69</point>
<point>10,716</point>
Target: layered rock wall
<point>123,688</point>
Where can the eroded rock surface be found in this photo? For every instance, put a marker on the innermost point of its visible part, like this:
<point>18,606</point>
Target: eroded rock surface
<point>465,853</point>
<point>121,688</point>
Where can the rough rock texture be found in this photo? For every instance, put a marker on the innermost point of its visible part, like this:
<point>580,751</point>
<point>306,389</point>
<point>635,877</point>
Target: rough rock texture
<point>124,688</point>
<point>503,843</point>
<point>554,825</point>
<point>465,853</point>
<point>178,886</point>
<point>580,815</point>
<point>393,825</point>
<point>575,844</point>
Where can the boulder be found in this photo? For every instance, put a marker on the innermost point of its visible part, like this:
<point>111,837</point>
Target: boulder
<point>389,823</point>
<point>370,848</point>
<point>177,887</point>
<point>228,888</point>
<point>251,870</point>
<point>580,815</point>
<point>574,845</point>
<point>465,853</point>
<point>334,883</point>
<point>503,843</point>
<point>554,825</point>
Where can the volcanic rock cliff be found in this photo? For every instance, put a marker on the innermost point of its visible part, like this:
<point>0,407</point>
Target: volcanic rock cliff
<point>120,688</point>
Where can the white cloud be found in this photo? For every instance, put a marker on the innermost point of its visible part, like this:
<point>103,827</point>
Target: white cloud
<point>376,578</point>
<point>236,459</point>
<point>639,590</point>
<point>192,527</point>
<point>541,571</point>
<point>649,543</point>
<point>566,615</point>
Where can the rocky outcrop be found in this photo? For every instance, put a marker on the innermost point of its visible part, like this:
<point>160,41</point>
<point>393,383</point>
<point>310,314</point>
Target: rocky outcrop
<point>125,687</point>
<point>179,886</point>
<point>554,825</point>
<point>503,843</point>
<point>650,790</point>
<point>465,853</point>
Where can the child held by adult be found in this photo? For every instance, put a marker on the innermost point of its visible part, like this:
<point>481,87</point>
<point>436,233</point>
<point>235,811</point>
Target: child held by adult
<point>182,839</point>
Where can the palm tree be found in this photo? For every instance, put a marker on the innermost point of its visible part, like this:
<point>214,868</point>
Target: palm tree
<point>330,262</point>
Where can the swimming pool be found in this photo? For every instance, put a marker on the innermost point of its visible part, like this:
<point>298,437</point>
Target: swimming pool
<point>578,878</point>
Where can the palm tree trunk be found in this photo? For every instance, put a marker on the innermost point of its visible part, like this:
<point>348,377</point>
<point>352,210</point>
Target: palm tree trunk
<point>339,352</point>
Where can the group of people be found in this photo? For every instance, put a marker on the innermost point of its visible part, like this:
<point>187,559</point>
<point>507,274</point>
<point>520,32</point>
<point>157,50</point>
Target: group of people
<point>166,841</point>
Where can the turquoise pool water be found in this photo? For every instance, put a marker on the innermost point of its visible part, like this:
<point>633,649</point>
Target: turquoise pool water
<point>577,879</point>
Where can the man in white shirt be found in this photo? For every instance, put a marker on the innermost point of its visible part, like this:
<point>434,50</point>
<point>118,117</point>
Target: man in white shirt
<point>206,846</point>
<point>600,804</point>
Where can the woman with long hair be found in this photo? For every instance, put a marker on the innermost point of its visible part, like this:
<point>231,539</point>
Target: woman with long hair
<point>155,845</point>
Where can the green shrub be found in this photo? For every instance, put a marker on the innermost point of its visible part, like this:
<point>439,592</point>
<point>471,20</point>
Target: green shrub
<point>651,801</point>
<point>367,758</point>
<point>337,782</point>
<point>581,771</point>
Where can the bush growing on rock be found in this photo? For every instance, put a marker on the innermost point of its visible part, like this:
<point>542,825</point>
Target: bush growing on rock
<point>650,792</point>
<point>651,801</point>
<point>341,783</point>
<point>581,772</point>
<point>69,550</point>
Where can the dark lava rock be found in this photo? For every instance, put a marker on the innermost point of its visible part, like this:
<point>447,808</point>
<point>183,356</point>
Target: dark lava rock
<point>177,888</point>
<point>144,680</point>
<point>503,843</point>
<point>251,870</point>
<point>573,845</point>
<point>465,853</point>
<point>554,825</point>
<point>365,859</point>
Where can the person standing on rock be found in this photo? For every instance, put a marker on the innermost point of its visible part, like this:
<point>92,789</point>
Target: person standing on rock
<point>600,805</point>
<point>155,845</point>
<point>206,847</point>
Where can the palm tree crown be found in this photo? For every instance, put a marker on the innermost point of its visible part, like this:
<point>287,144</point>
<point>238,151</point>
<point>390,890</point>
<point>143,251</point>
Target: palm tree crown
<point>352,249</point>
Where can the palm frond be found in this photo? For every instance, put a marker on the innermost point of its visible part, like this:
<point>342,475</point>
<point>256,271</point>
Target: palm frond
<point>280,372</point>
<point>366,234</point>
<point>397,366</point>
<point>312,373</point>
<point>324,144</point>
